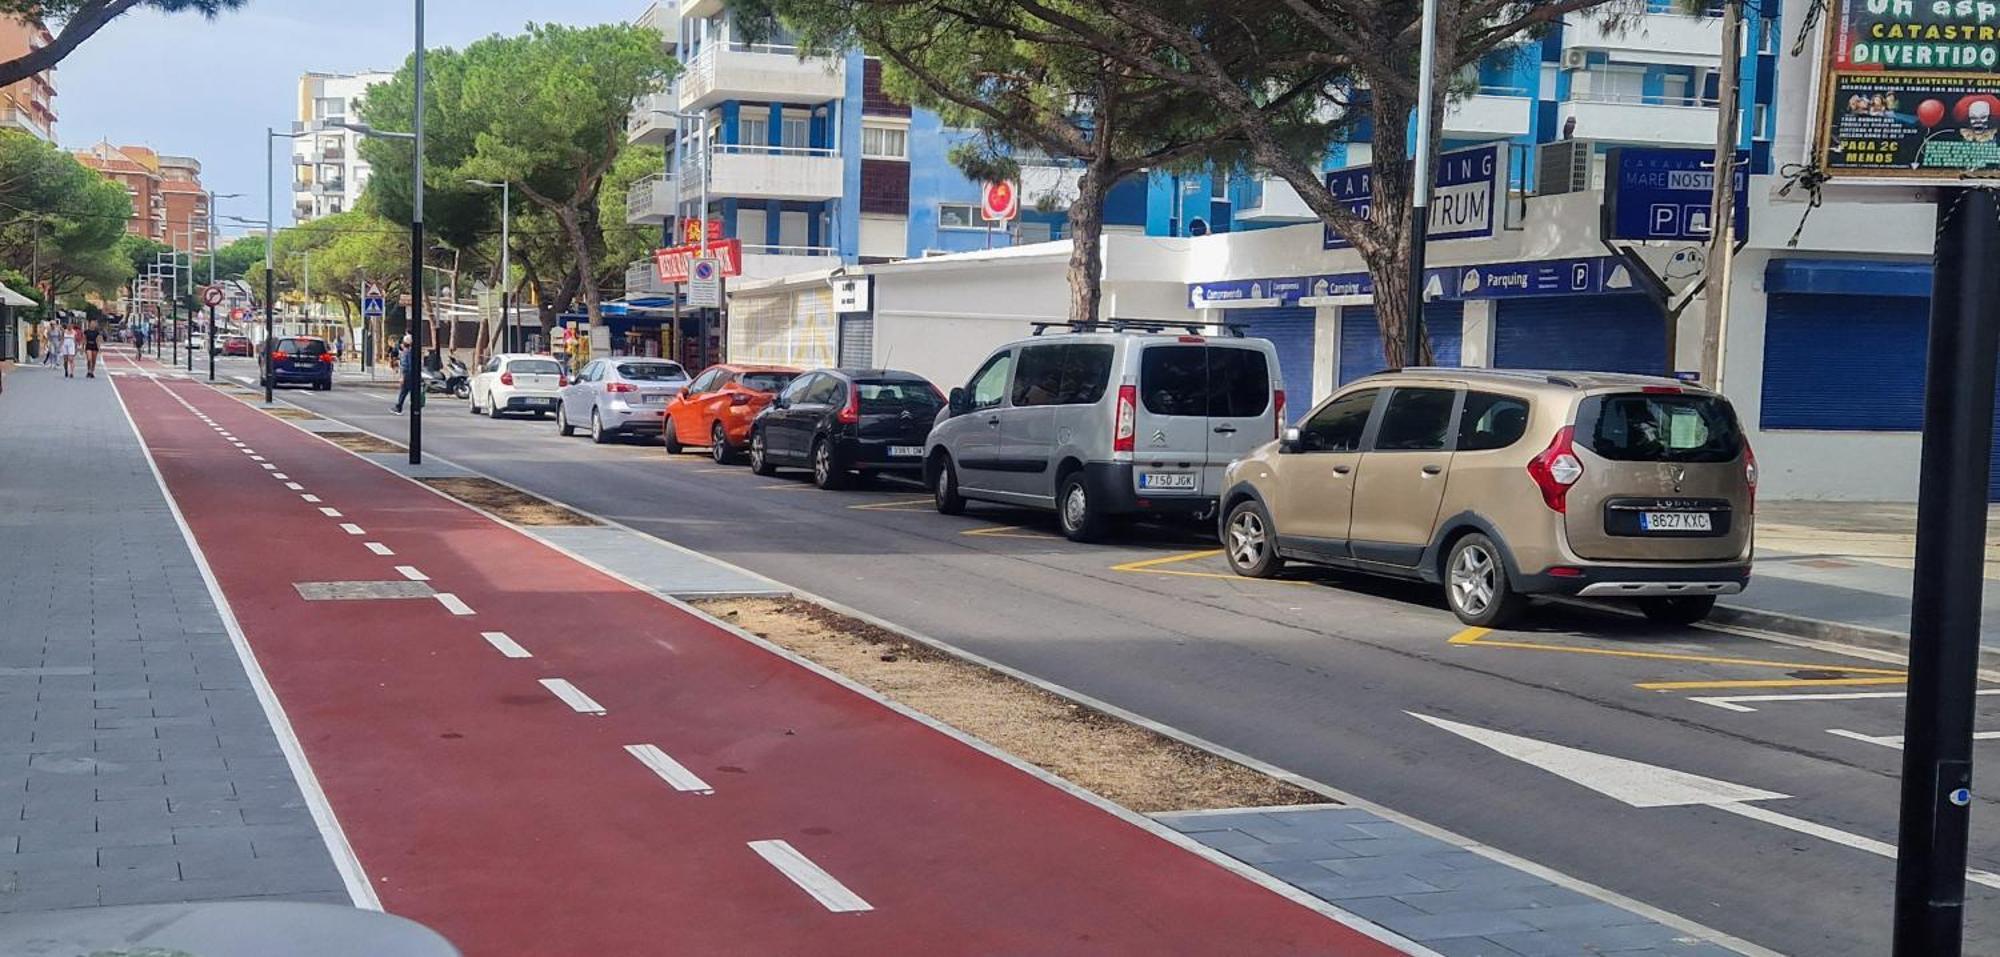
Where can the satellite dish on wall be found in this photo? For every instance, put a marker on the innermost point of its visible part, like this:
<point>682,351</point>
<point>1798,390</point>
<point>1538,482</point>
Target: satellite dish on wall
<point>1197,227</point>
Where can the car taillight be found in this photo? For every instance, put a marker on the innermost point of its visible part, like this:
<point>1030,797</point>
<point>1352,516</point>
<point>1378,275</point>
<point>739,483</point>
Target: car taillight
<point>278,357</point>
<point>1556,469</point>
<point>621,387</point>
<point>562,379</point>
<point>850,414</point>
<point>327,357</point>
<point>1278,419</point>
<point>739,398</point>
<point>1127,425</point>
<point>1750,474</point>
<point>506,378</point>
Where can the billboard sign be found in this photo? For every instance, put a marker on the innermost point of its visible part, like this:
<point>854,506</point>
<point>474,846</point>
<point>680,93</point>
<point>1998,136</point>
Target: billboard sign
<point>1667,194</point>
<point>1462,202</point>
<point>676,262</point>
<point>1909,91</point>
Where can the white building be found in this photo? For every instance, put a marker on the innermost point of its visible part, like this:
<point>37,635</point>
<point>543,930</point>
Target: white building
<point>329,173</point>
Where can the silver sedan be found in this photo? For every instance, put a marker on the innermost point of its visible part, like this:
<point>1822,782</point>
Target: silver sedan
<point>619,396</point>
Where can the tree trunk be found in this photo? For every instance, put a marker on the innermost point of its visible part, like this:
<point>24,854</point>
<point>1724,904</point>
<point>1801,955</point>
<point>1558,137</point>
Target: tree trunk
<point>1393,189</point>
<point>1086,251</point>
<point>586,264</point>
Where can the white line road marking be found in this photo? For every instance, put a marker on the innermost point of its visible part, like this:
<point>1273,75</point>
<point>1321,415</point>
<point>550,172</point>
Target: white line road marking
<point>378,548</point>
<point>669,770</point>
<point>249,452</point>
<point>578,701</point>
<point>1896,740</point>
<point>236,443</point>
<point>453,603</point>
<point>268,467</point>
<point>410,572</point>
<point>280,476</point>
<point>831,894</point>
<point>310,499</point>
<point>1732,702</point>
<point>504,644</point>
<point>255,458</point>
<point>294,486</point>
<point>1824,833</point>
<point>351,529</point>
<point>330,512</point>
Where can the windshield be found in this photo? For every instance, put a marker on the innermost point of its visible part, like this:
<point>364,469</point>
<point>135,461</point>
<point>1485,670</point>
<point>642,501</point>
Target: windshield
<point>892,398</point>
<point>1661,428</point>
<point>534,367</point>
<point>651,371</point>
<point>767,381</point>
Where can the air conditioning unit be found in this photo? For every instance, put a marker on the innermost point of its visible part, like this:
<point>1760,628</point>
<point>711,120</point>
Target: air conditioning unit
<point>1563,167</point>
<point>1576,59</point>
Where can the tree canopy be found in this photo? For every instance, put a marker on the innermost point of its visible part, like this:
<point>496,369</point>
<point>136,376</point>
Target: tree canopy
<point>61,223</point>
<point>75,21</point>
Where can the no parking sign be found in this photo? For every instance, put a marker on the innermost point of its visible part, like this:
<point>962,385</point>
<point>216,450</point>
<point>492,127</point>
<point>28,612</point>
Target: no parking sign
<point>705,284</point>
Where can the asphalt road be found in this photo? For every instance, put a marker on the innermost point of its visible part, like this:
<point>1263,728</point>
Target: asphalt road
<point>1324,673</point>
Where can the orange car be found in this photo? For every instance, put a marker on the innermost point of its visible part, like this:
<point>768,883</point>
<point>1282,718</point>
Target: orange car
<point>716,408</point>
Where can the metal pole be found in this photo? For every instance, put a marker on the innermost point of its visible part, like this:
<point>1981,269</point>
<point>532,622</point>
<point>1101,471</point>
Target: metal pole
<point>212,348</point>
<point>1949,577</point>
<point>411,378</point>
<point>270,252</point>
<point>507,265</point>
<point>1722,199</point>
<point>1420,188</point>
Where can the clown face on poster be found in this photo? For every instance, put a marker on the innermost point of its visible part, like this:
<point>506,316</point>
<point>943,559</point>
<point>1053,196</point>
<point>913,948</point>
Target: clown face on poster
<point>1910,90</point>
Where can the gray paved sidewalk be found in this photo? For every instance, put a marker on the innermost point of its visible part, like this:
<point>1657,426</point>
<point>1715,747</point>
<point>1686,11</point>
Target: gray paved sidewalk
<point>136,765</point>
<point>1447,898</point>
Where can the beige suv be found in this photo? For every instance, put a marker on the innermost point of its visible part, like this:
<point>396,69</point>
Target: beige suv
<point>1504,484</point>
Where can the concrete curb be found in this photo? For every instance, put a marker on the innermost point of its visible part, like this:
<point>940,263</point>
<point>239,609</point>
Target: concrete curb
<point>1819,629</point>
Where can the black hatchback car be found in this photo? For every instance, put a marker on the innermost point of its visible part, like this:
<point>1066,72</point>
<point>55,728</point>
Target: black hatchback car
<point>841,421</point>
<point>301,360</point>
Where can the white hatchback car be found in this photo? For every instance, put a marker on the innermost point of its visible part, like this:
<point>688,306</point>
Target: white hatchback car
<point>518,382</point>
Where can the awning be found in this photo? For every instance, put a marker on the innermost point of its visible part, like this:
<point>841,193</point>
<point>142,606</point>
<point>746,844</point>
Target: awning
<point>9,297</point>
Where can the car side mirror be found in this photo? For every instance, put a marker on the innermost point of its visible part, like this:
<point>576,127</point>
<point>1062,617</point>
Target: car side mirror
<point>1290,441</point>
<point>781,402</point>
<point>957,402</point>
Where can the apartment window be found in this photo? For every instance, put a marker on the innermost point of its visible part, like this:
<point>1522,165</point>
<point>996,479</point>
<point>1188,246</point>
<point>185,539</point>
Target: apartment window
<point>329,108</point>
<point>796,133</point>
<point>753,132</point>
<point>885,142</point>
<point>960,216</point>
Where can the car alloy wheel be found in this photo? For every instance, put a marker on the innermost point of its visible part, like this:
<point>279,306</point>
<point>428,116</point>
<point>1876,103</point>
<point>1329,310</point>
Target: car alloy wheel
<point>760,461</point>
<point>1474,580</point>
<point>718,445</point>
<point>597,428</point>
<point>827,473</point>
<point>1248,539</point>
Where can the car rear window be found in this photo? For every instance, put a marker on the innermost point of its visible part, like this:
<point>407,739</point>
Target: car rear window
<point>1653,427</point>
<point>1221,381</point>
<point>651,371</point>
<point>534,367</point>
<point>891,398</point>
<point>301,346</point>
<point>767,381</point>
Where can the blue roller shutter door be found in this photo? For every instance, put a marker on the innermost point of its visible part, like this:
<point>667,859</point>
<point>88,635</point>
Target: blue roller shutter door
<point>1816,348</point>
<point>1290,329</point>
<point>1361,338</point>
<point>1581,333</point>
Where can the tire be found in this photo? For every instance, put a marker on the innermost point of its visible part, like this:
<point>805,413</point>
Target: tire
<point>944,489</point>
<point>563,427</point>
<point>760,462</point>
<point>1250,542</point>
<point>828,473</point>
<point>1077,512</point>
<point>472,406</point>
<point>1683,610</point>
<point>462,391</point>
<point>597,433</point>
<point>718,445</point>
<point>1476,585</point>
<point>492,411</point>
<point>670,436</point>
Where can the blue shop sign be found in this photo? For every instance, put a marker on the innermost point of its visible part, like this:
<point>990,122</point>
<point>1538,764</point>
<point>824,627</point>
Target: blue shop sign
<point>1555,277</point>
<point>1668,194</point>
<point>1462,202</point>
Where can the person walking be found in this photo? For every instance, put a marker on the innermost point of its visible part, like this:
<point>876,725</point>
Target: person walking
<point>90,336</point>
<point>66,340</point>
<point>406,362</point>
<point>51,347</point>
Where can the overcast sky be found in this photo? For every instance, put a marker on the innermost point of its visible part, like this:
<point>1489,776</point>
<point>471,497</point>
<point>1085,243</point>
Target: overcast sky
<point>188,86</point>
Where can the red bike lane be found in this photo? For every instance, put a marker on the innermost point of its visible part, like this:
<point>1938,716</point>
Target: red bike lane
<point>481,801</point>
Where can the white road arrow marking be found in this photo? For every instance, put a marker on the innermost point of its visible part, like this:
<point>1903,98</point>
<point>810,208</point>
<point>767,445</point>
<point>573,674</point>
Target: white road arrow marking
<point>1647,785</point>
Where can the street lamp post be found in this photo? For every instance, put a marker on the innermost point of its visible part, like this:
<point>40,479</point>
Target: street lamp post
<point>412,378</point>
<point>506,257</point>
<point>680,187</point>
<point>270,253</point>
<point>212,349</point>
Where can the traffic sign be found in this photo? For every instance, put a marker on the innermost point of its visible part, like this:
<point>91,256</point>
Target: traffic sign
<point>675,262</point>
<point>1000,202</point>
<point>372,304</point>
<point>212,296</point>
<point>705,284</point>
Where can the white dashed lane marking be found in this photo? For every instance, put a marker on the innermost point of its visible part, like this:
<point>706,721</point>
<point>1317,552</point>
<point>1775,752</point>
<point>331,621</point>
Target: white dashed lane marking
<point>330,512</point>
<point>294,486</point>
<point>313,499</point>
<point>351,529</point>
<point>453,603</point>
<point>378,548</point>
<point>410,572</point>
<point>669,770</point>
<point>578,701</point>
<point>811,878</point>
<point>504,644</point>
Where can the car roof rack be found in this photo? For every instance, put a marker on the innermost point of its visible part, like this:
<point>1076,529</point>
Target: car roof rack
<point>1525,374</point>
<point>1141,325</point>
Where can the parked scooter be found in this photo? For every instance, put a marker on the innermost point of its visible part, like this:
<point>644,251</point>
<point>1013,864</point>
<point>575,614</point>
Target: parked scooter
<point>453,379</point>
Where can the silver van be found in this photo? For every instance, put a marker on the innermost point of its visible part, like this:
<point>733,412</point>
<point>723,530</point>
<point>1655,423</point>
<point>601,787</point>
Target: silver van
<point>1094,424</point>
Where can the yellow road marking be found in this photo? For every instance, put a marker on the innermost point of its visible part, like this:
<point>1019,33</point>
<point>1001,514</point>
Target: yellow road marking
<point>1769,683</point>
<point>900,504</point>
<point>1007,531</point>
<point>1477,636</point>
<point>1150,566</point>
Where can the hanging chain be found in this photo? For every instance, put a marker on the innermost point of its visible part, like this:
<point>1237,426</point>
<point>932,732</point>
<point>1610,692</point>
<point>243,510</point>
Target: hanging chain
<point>1815,9</point>
<point>1808,177</point>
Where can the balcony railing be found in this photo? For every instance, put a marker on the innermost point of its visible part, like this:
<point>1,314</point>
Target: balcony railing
<point>650,201</point>
<point>770,262</point>
<point>768,172</point>
<point>642,278</point>
<point>759,71</point>
<point>651,120</point>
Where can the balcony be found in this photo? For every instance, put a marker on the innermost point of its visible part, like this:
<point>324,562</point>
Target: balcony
<point>1275,201</point>
<point>642,278</point>
<point>651,121</point>
<point>773,172</point>
<point>770,262</point>
<point>1637,119</point>
<point>651,201</point>
<point>1493,111</point>
<point>1656,38</point>
<point>760,72</point>
<point>700,9</point>
<point>664,16</point>
<point>332,153</point>
<point>331,187</point>
<point>302,186</point>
